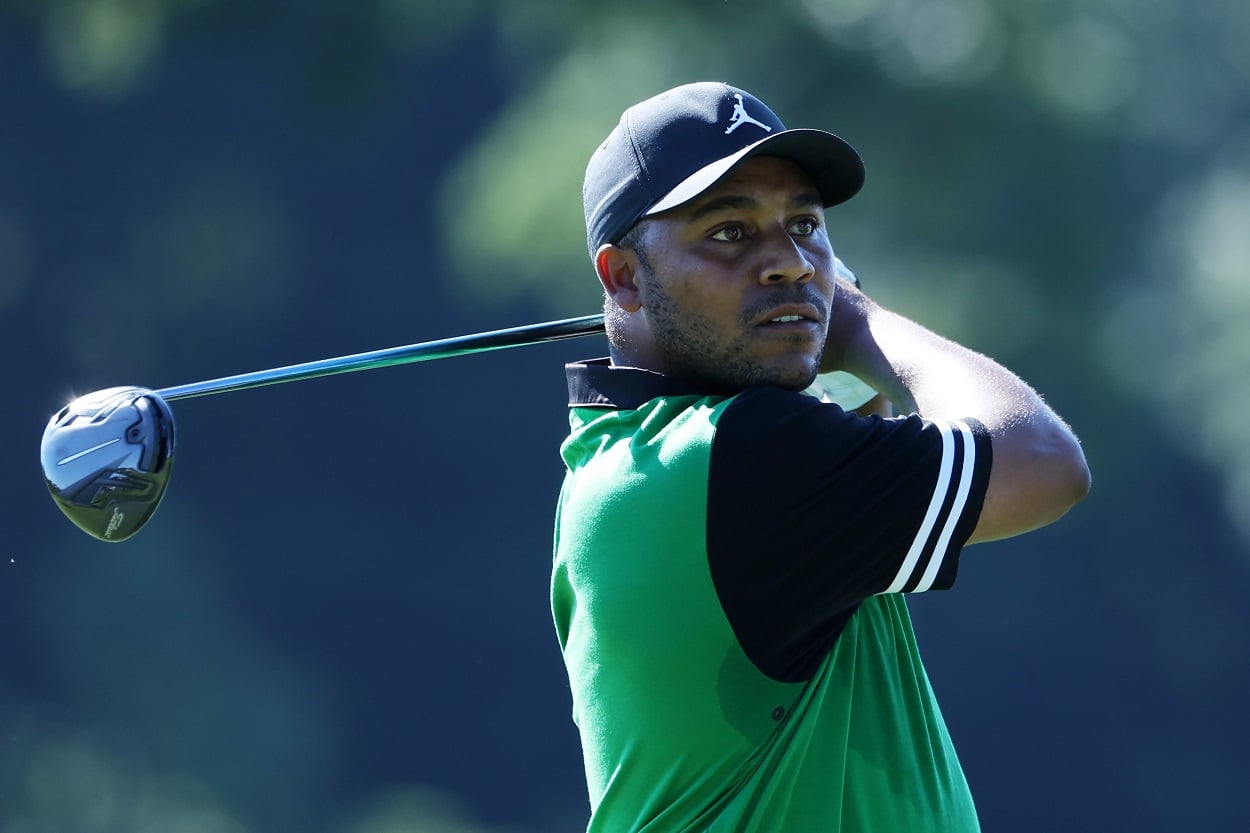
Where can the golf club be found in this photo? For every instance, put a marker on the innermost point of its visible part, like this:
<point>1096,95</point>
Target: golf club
<point>107,456</point>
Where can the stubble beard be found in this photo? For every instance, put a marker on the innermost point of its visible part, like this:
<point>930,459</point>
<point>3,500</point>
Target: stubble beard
<point>693,350</point>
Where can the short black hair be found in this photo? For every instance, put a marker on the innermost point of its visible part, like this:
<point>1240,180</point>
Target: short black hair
<point>632,240</point>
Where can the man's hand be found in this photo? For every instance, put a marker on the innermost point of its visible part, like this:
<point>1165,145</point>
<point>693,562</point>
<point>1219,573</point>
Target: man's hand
<point>848,314</point>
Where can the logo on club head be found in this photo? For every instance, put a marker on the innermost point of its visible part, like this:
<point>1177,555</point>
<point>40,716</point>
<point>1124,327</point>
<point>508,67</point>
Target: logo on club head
<point>740,118</point>
<point>114,522</point>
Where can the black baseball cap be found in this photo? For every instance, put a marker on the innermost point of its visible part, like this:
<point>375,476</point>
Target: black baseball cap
<point>670,148</point>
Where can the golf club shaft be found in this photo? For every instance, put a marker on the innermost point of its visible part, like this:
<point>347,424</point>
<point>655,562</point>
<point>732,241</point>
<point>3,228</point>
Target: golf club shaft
<point>425,351</point>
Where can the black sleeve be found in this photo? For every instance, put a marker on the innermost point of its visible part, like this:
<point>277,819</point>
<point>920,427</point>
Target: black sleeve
<point>812,509</point>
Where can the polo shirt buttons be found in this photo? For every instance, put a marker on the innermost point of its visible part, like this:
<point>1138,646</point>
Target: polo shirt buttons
<point>779,713</point>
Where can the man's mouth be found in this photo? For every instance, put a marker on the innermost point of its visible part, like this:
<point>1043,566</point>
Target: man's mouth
<point>792,309</point>
<point>791,315</point>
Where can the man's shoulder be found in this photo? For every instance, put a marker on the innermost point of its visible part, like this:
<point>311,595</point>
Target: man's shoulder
<point>764,406</point>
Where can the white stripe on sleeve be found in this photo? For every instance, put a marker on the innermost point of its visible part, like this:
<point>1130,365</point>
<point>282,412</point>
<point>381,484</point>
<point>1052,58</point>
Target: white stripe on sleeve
<point>964,486</point>
<point>953,435</point>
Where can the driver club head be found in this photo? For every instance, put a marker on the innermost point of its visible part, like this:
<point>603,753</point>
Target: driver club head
<point>107,457</point>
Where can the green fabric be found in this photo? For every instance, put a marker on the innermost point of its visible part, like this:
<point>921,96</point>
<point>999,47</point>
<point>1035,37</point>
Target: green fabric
<point>680,732</point>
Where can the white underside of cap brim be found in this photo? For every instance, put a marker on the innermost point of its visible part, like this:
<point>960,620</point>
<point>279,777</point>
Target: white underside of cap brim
<point>707,176</point>
<point>701,180</point>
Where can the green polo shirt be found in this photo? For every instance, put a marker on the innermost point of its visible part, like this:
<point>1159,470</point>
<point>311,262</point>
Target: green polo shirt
<point>727,593</point>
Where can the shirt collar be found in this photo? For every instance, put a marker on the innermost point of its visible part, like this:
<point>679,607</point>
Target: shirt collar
<point>600,384</point>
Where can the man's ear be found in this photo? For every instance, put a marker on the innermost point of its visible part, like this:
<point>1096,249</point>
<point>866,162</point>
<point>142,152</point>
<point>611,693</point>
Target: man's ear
<point>618,272</point>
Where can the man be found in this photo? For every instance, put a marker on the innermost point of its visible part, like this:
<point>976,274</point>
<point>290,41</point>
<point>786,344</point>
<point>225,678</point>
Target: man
<point>731,552</point>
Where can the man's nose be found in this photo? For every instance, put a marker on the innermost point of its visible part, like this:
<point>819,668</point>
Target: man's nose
<point>785,261</point>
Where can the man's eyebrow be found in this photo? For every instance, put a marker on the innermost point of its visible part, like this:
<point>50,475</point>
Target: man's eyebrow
<point>804,199</point>
<point>729,201</point>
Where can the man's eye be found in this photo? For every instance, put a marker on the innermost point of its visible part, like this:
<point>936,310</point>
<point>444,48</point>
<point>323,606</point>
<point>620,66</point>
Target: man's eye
<point>729,234</point>
<point>804,226</point>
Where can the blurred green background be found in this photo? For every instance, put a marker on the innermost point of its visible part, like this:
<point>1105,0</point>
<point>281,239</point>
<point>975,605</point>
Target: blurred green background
<point>338,622</point>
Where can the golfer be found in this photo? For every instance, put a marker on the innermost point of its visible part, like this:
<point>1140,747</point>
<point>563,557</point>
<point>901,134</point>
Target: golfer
<point>732,553</point>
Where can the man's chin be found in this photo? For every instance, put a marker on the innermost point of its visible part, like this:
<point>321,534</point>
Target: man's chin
<point>787,378</point>
<point>794,375</point>
<point>730,377</point>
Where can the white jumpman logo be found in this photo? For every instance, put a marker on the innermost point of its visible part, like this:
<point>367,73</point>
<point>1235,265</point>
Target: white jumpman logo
<point>740,118</point>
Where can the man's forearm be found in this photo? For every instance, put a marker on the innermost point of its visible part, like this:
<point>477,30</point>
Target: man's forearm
<point>1039,469</point>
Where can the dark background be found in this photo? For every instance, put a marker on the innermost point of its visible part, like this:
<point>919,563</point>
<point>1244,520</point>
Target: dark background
<point>337,622</point>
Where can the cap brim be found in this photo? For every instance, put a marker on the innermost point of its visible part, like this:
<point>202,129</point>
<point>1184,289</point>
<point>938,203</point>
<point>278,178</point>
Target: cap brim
<point>833,166</point>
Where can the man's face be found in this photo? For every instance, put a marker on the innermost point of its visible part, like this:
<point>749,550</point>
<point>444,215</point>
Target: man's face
<point>735,285</point>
